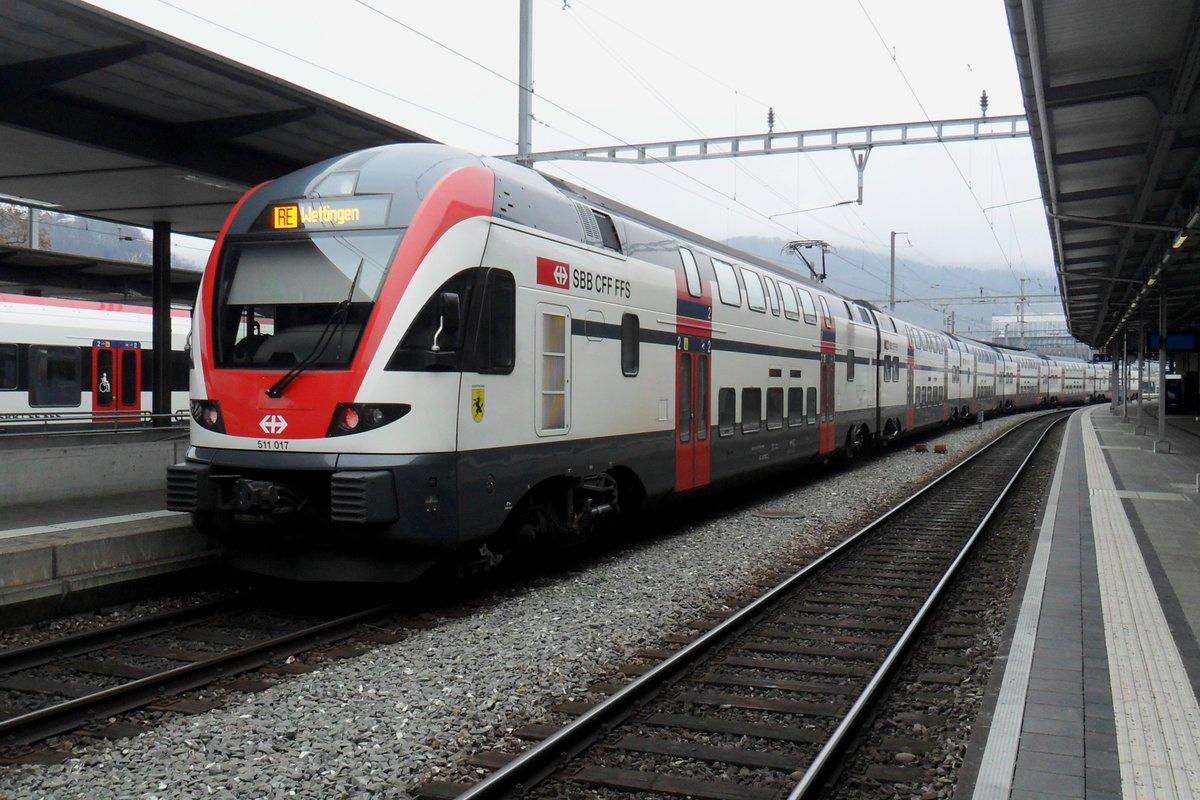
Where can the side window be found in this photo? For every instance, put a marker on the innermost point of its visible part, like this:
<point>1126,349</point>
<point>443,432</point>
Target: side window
<point>129,377</point>
<point>702,397</point>
<point>754,291</point>
<point>774,408</point>
<point>608,231</point>
<point>806,302</point>
<point>553,369</point>
<point>772,294</point>
<point>631,339</point>
<point>751,410</point>
<point>8,366</point>
<point>864,315</point>
<point>496,344</point>
<point>726,411</point>
<point>790,309</point>
<point>826,317</point>
<point>849,365</point>
<point>684,391</point>
<point>727,283</point>
<point>795,409</point>
<point>849,312</point>
<point>810,402</point>
<point>55,375</point>
<point>691,272</point>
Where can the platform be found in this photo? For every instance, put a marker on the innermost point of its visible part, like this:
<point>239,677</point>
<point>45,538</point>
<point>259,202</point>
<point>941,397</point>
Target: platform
<point>64,556</point>
<point>1095,693</point>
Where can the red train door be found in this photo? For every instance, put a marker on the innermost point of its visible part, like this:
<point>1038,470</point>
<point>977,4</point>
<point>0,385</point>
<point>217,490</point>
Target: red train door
<point>693,466</point>
<point>116,376</point>
<point>827,424</point>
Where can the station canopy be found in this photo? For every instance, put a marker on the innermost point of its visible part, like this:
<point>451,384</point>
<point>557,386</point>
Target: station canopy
<point>105,118</point>
<point>1111,95</point>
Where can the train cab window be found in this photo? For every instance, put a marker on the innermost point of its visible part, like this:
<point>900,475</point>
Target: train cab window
<point>795,406</point>
<point>754,291</point>
<point>55,376</point>
<point>726,411</point>
<point>496,335</point>
<point>631,338</point>
<point>806,303</point>
<point>810,404</point>
<point>8,367</point>
<point>774,408</point>
<point>751,410</point>
<point>788,297</point>
<point>772,294</point>
<point>691,272</point>
<point>727,283</point>
<point>849,365</point>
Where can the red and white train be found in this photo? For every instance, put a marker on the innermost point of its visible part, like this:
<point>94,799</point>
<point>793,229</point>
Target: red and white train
<point>66,362</point>
<point>411,352</point>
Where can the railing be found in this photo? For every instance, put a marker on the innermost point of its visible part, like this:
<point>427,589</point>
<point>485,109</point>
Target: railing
<point>73,423</point>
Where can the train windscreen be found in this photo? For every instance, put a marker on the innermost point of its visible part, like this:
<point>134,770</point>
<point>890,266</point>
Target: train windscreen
<point>304,299</point>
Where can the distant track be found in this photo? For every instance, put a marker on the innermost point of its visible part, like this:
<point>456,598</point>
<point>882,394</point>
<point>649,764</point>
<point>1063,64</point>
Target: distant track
<point>60,685</point>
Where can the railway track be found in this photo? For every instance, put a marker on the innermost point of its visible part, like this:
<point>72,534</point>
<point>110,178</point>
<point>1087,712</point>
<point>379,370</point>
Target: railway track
<point>763,704</point>
<point>59,685</point>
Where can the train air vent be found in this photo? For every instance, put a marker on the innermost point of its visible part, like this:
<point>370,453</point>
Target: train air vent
<point>362,497</point>
<point>188,487</point>
<point>591,230</point>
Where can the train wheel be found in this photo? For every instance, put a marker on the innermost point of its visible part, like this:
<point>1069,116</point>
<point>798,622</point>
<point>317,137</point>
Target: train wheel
<point>856,441</point>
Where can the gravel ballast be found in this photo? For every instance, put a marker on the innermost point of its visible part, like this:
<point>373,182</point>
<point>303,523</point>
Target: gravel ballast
<point>382,724</point>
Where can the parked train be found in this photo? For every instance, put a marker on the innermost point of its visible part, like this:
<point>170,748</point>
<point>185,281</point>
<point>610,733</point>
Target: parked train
<point>74,362</point>
<point>411,352</point>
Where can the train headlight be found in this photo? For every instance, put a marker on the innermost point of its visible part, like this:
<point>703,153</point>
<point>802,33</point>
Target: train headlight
<point>207,414</point>
<point>359,417</point>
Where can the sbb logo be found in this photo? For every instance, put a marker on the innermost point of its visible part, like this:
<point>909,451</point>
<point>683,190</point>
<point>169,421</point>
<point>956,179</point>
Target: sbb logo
<point>556,274</point>
<point>273,423</point>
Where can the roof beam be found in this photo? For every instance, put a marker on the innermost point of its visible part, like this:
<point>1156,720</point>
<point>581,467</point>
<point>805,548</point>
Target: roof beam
<point>29,77</point>
<point>1152,85</point>
<point>225,128</point>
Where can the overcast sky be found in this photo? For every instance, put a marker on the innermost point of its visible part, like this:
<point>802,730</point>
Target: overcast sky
<point>611,71</point>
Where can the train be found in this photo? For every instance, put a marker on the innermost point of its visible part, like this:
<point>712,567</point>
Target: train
<point>413,355</point>
<point>80,363</point>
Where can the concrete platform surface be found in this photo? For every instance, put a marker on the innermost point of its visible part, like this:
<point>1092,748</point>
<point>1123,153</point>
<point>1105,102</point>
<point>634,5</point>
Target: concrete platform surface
<point>1095,695</point>
<point>63,556</point>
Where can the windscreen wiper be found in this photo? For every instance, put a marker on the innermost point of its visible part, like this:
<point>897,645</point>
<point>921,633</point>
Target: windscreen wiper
<point>336,320</point>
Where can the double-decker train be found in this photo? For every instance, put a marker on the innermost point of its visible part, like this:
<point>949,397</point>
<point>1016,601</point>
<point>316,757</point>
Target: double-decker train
<point>77,362</point>
<point>411,353</point>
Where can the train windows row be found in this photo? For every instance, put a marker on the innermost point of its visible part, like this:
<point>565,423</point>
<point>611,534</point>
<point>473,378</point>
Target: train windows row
<point>53,375</point>
<point>762,291</point>
<point>800,409</point>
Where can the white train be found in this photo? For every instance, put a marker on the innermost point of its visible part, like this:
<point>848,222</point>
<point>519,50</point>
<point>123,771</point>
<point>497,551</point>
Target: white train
<point>68,362</point>
<point>411,352</point>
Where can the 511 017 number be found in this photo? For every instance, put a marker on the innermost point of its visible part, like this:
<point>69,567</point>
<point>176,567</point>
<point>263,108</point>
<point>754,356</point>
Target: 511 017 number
<point>272,444</point>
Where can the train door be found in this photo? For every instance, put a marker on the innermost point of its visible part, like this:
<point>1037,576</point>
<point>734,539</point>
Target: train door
<point>826,421</point>
<point>116,376</point>
<point>692,447</point>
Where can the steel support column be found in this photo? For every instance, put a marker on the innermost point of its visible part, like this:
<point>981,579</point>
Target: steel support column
<point>161,338</point>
